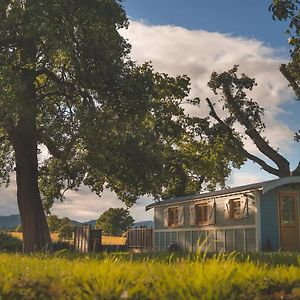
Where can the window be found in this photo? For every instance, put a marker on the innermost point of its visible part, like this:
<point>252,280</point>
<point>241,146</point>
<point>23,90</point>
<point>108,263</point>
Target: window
<point>288,209</point>
<point>173,216</point>
<point>237,208</point>
<point>201,213</point>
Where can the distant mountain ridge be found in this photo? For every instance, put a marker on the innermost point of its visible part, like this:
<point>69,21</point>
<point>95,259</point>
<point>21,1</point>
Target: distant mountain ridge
<point>11,222</point>
<point>7,222</point>
<point>147,224</point>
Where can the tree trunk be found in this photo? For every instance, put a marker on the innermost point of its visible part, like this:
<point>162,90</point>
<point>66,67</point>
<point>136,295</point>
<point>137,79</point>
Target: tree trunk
<point>36,235</point>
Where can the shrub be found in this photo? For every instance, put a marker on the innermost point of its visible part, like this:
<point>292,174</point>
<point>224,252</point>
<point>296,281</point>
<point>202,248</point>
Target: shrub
<point>60,245</point>
<point>9,243</point>
<point>66,232</point>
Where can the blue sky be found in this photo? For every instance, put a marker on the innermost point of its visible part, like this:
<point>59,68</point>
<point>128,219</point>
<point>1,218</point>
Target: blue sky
<point>196,37</point>
<point>248,18</point>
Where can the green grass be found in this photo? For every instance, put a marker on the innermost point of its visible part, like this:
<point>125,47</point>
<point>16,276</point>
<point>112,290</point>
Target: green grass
<point>159,276</point>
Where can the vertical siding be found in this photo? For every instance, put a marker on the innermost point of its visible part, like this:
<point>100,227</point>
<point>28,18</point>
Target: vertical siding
<point>269,217</point>
<point>181,240</point>
<point>174,238</point>
<point>250,240</point>
<point>220,240</point>
<point>239,240</point>
<point>224,240</point>
<point>211,241</point>
<point>195,241</point>
<point>188,242</point>
<point>269,221</point>
<point>229,240</point>
<point>202,239</point>
<point>156,241</point>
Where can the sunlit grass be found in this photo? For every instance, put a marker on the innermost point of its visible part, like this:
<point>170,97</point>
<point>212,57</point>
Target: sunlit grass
<point>159,276</point>
<point>106,240</point>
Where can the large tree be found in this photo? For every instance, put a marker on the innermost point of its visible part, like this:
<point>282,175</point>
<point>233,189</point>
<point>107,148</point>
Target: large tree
<point>68,85</point>
<point>115,221</point>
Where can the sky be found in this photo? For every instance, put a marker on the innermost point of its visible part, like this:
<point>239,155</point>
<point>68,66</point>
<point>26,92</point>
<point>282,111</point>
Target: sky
<point>197,37</point>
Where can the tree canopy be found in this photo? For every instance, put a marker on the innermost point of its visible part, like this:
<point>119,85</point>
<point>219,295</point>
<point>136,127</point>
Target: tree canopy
<point>68,85</point>
<point>115,221</point>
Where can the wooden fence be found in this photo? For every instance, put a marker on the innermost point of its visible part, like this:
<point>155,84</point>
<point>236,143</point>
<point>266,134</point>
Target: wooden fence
<point>141,238</point>
<point>87,239</point>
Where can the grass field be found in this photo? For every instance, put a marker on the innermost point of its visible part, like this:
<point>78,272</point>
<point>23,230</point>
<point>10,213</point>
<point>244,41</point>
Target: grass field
<point>156,276</point>
<point>106,240</point>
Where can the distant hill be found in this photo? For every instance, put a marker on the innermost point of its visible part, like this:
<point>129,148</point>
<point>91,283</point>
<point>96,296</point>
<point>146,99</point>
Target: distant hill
<point>147,224</point>
<point>8,222</point>
<point>11,222</point>
<point>92,223</point>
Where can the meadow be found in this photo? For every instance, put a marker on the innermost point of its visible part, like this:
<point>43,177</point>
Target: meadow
<point>153,276</point>
<point>106,240</point>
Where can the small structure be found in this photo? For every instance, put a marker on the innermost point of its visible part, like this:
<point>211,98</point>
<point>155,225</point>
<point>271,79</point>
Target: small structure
<point>257,217</point>
<point>87,239</point>
<point>140,239</point>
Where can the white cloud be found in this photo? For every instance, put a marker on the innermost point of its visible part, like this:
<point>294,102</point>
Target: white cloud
<point>198,53</point>
<point>84,205</point>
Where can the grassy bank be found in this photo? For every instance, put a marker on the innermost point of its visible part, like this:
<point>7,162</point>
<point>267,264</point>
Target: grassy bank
<point>141,277</point>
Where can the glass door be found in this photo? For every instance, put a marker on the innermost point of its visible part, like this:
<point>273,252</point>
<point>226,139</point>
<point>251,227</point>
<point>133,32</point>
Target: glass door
<point>288,216</point>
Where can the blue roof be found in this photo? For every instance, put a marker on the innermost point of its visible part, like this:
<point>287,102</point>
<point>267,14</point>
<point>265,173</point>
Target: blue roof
<point>264,185</point>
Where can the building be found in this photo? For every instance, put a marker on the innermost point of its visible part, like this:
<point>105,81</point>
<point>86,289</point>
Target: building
<point>257,217</point>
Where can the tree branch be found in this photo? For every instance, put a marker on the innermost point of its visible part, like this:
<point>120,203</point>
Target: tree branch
<point>291,79</point>
<point>261,162</point>
<point>263,146</point>
<point>54,150</point>
<point>243,151</point>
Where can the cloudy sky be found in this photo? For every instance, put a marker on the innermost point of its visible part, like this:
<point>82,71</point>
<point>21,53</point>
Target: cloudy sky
<point>196,38</point>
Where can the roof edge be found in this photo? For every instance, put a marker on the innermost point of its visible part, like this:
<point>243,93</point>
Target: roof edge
<point>281,181</point>
<point>265,186</point>
<point>201,197</point>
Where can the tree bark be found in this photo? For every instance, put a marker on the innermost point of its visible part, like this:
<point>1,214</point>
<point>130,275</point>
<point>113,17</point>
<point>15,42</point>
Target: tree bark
<point>36,235</point>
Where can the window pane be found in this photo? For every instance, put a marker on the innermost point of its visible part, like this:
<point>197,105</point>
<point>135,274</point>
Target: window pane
<point>235,208</point>
<point>288,210</point>
<point>173,216</point>
<point>201,211</point>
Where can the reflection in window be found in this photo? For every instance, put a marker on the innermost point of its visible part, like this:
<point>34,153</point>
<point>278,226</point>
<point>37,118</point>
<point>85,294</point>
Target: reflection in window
<point>201,213</point>
<point>235,208</point>
<point>173,216</point>
<point>288,210</point>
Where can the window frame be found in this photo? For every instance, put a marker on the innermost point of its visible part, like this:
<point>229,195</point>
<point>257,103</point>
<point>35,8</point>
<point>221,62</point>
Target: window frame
<point>198,208</point>
<point>232,212</point>
<point>173,208</point>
